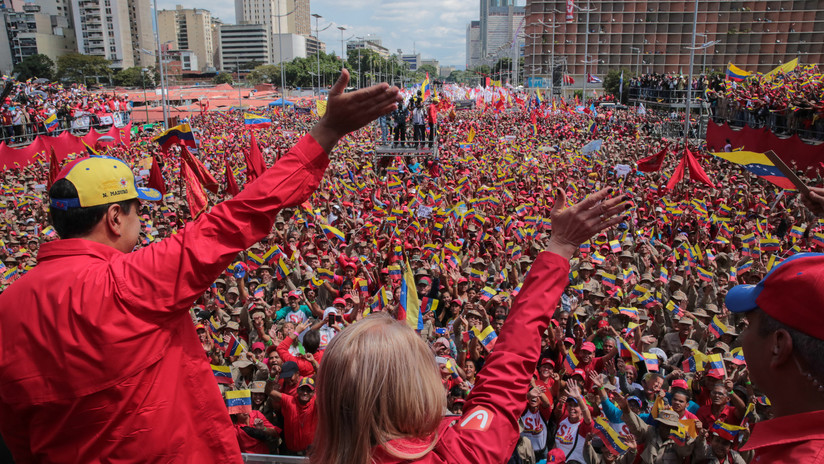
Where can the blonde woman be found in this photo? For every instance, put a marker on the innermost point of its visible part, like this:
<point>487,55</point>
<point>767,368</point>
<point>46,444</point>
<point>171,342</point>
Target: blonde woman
<point>380,398</point>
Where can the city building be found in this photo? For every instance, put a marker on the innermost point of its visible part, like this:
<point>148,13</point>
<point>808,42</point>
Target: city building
<point>412,59</point>
<point>431,62</point>
<point>473,44</point>
<point>189,29</point>
<point>118,30</point>
<point>291,45</point>
<point>445,71</point>
<point>32,31</point>
<point>370,42</point>
<point>504,23</point>
<point>488,8</point>
<point>313,45</point>
<point>648,37</point>
<point>299,22</point>
<point>282,17</point>
<point>242,45</point>
<point>215,28</point>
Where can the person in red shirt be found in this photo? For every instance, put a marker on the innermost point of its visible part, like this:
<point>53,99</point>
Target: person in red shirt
<point>589,363</point>
<point>114,371</point>
<point>432,120</point>
<point>300,417</point>
<point>307,363</point>
<point>783,345</point>
<point>364,378</point>
<point>253,430</point>
<point>720,409</point>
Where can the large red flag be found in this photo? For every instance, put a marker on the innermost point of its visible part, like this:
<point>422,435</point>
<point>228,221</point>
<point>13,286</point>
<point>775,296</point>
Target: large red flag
<point>195,195</point>
<point>200,172</point>
<point>156,177</point>
<point>696,171</point>
<point>255,166</point>
<point>654,162</point>
<point>54,168</point>
<point>231,183</point>
<point>677,175</point>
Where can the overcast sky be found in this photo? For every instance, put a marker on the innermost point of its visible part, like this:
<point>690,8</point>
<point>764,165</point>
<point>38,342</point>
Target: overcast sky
<point>435,29</point>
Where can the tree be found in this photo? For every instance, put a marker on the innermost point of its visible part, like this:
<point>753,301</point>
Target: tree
<point>34,66</point>
<point>223,78</point>
<point>612,82</point>
<point>135,77</point>
<point>264,74</point>
<point>83,69</point>
<point>428,68</point>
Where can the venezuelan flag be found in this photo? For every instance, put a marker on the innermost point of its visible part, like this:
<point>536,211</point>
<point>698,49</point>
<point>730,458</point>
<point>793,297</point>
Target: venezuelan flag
<point>726,431</point>
<point>254,121</point>
<point>181,134</point>
<point>704,274</point>
<point>626,351</point>
<point>239,401</point>
<point>758,164</point>
<point>487,337</point>
<point>609,436</point>
<point>409,309</point>
<point>738,356</point>
<point>651,361</point>
<point>51,122</point>
<point>223,374</point>
<point>487,293</point>
<point>426,87</point>
<point>570,360</point>
<point>734,73</point>
<point>715,365</point>
<point>627,311</point>
<point>233,347</point>
<point>332,232</point>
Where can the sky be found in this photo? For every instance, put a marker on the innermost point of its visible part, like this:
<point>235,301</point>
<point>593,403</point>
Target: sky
<point>435,29</point>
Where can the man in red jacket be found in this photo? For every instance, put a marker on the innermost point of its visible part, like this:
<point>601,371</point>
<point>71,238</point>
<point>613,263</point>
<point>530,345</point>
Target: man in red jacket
<point>100,361</point>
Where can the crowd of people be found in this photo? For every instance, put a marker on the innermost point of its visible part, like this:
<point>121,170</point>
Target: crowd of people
<point>27,108</point>
<point>642,361</point>
<point>787,103</point>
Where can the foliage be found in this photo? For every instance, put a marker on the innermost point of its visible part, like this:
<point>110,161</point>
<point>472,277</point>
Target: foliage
<point>136,77</point>
<point>265,74</point>
<point>428,68</point>
<point>34,66</point>
<point>83,69</point>
<point>223,78</point>
<point>612,82</point>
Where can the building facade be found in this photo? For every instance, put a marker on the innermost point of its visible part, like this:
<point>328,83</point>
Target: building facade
<point>370,42</point>
<point>652,37</point>
<point>116,30</point>
<point>299,22</point>
<point>412,59</point>
<point>290,45</point>
<point>30,32</point>
<point>242,44</point>
<point>189,29</point>
<point>473,44</point>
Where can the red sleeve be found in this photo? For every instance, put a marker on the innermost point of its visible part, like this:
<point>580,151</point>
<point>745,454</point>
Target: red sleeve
<point>598,365</point>
<point>585,428</point>
<point>283,350</point>
<point>178,269</point>
<point>488,429</point>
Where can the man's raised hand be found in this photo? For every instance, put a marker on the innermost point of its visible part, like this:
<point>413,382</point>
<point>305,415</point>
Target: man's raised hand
<point>347,112</point>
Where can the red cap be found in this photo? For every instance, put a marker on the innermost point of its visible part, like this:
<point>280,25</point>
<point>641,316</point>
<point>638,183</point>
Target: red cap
<point>579,372</point>
<point>340,301</point>
<point>680,383</point>
<point>791,293</point>
<point>588,346</point>
<point>602,323</point>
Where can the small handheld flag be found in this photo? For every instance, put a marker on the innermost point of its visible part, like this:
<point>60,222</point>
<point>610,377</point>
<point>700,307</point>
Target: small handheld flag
<point>239,401</point>
<point>223,374</point>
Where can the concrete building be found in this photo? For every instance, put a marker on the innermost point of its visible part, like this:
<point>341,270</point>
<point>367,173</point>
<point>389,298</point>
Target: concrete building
<point>215,28</point>
<point>188,29</point>
<point>292,45</point>
<point>473,44</point>
<point>116,30</point>
<point>504,23</point>
<point>266,12</point>
<point>299,22</point>
<point>445,71</point>
<point>313,45</point>
<point>488,7</point>
<point>413,60</point>
<point>431,62</point>
<point>756,35</point>
<point>31,32</point>
<point>241,44</point>
<point>369,42</point>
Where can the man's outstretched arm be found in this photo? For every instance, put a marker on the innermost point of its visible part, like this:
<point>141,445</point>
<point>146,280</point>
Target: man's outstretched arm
<point>170,274</point>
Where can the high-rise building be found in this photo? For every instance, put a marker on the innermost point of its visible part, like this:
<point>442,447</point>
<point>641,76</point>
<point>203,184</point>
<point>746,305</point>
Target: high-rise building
<point>473,44</point>
<point>298,22</point>
<point>188,29</point>
<point>242,44</point>
<point>487,7</point>
<point>648,36</point>
<point>215,27</point>
<point>412,59</point>
<point>504,26</point>
<point>289,47</point>
<point>369,42</point>
<point>30,32</point>
<point>117,30</point>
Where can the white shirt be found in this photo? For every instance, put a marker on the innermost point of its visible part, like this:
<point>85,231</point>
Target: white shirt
<point>534,429</point>
<point>568,441</point>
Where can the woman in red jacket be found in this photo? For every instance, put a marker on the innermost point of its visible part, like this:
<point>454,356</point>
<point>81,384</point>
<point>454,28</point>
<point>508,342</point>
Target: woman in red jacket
<point>371,410</point>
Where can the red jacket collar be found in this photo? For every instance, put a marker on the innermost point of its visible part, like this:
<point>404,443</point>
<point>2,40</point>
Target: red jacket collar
<point>73,247</point>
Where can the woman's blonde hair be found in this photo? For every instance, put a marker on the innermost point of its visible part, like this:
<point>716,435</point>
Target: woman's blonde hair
<point>378,381</point>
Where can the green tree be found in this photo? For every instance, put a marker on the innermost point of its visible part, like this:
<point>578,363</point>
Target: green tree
<point>223,78</point>
<point>83,69</point>
<point>428,68</point>
<point>265,74</point>
<point>612,82</point>
<point>34,66</point>
<point>136,77</point>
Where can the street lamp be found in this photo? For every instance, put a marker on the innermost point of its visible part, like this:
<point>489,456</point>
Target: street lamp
<point>638,66</point>
<point>689,80</point>
<point>143,81</point>
<point>588,9</point>
<point>163,90</point>
<point>317,38</point>
<point>341,29</point>
<point>705,46</point>
<point>552,55</point>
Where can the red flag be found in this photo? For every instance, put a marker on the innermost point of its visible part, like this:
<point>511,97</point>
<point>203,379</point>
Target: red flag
<point>231,183</point>
<point>255,166</point>
<point>54,168</point>
<point>156,177</point>
<point>200,172</point>
<point>677,175</point>
<point>653,163</point>
<point>195,195</point>
<point>696,171</point>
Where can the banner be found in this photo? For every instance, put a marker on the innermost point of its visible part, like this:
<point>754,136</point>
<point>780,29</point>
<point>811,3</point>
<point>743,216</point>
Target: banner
<point>570,16</point>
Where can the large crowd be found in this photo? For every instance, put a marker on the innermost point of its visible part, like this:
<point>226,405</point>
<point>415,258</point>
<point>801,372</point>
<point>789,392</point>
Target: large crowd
<point>642,362</point>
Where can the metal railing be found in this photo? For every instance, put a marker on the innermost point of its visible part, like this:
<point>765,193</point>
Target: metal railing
<point>24,134</point>
<point>273,459</point>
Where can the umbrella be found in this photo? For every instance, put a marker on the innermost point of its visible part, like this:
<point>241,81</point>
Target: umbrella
<point>105,139</point>
<point>281,102</point>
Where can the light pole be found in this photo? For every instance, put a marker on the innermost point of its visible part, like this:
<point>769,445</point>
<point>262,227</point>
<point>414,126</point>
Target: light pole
<point>143,81</point>
<point>341,29</point>
<point>638,67</point>
<point>359,39</point>
<point>162,74</point>
<point>588,9</point>
<point>552,55</point>
<point>317,38</point>
<point>705,46</point>
<point>689,80</point>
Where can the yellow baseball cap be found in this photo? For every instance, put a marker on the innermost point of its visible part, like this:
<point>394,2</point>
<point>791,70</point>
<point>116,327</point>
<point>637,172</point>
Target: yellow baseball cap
<point>100,180</point>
